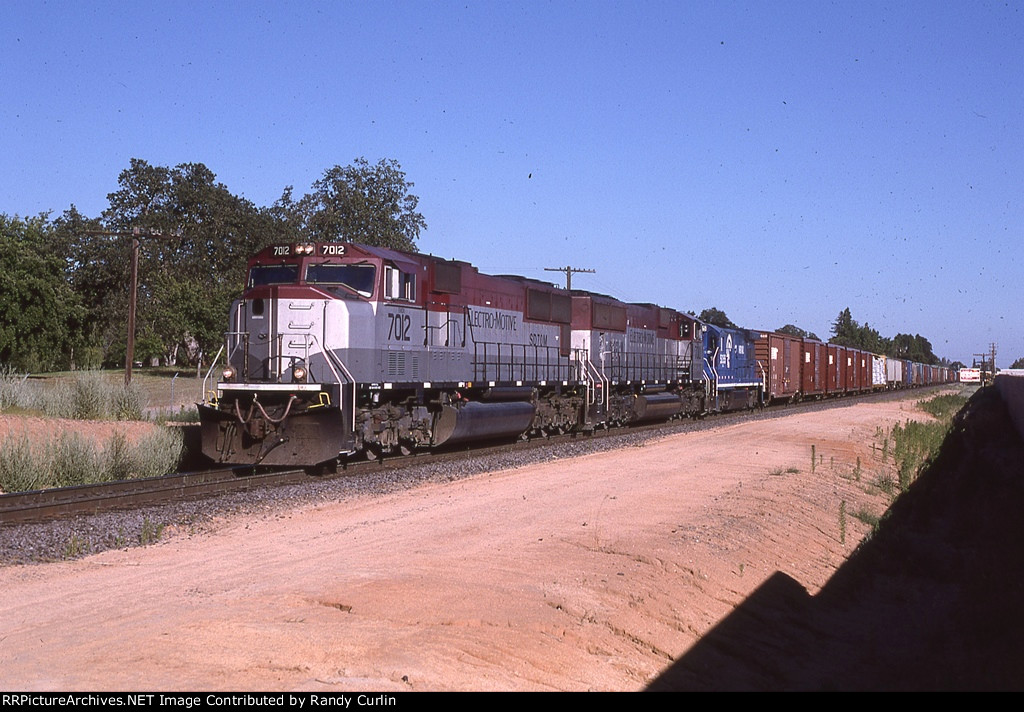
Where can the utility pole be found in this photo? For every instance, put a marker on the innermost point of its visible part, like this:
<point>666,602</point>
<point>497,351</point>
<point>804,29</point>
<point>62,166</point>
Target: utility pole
<point>136,234</point>
<point>988,363</point>
<point>569,271</point>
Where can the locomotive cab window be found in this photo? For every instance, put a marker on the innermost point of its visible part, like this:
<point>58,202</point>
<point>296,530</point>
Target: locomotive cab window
<point>399,285</point>
<point>273,274</point>
<point>359,277</point>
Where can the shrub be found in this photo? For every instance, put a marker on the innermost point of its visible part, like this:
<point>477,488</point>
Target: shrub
<point>69,459</point>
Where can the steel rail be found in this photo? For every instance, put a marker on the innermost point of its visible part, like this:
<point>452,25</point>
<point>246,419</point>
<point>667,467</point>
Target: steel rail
<point>41,505</point>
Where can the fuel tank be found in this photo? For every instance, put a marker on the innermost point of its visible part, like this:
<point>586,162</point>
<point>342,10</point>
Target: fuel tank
<point>481,421</point>
<point>658,406</point>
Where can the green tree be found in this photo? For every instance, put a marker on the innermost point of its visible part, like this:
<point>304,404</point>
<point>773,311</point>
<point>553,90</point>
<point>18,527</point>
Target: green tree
<point>42,318</point>
<point>364,203</point>
<point>1019,363</point>
<point>186,282</point>
<point>713,315</point>
<point>916,348</point>
<point>846,331</point>
<point>796,331</point>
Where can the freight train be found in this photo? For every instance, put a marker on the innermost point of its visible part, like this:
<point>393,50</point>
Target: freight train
<point>339,349</point>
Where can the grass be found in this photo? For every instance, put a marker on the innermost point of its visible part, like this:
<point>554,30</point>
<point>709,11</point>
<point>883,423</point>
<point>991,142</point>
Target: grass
<point>69,459</point>
<point>944,407</point>
<point>84,395</point>
<point>151,531</point>
<point>912,445</point>
<point>867,517</point>
<point>102,395</point>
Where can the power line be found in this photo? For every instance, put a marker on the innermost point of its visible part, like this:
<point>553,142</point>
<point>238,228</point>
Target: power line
<point>569,271</point>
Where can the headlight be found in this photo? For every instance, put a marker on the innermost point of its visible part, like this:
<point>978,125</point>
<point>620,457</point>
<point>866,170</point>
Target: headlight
<point>229,373</point>
<point>299,374</point>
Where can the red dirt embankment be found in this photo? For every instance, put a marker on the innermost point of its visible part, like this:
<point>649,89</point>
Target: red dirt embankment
<point>594,573</point>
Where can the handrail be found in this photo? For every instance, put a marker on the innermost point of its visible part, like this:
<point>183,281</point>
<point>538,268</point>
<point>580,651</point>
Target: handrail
<point>497,361</point>
<point>330,356</point>
<point>604,383</point>
<point>764,377</point>
<point>213,365</point>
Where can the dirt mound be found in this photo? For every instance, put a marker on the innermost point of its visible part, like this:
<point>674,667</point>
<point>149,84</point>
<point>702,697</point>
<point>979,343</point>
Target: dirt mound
<point>931,602</point>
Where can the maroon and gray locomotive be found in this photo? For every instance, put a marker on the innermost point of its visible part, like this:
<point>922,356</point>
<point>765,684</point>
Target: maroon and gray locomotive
<point>338,349</point>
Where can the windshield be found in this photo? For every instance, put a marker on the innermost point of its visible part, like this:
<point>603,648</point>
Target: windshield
<point>273,274</point>
<point>358,278</point>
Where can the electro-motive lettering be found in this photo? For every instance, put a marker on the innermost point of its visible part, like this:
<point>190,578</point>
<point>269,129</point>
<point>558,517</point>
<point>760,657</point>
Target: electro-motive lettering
<point>640,337</point>
<point>493,320</point>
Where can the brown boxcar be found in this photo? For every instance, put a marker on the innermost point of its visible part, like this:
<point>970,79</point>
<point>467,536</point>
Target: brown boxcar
<point>778,360</point>
<point>835,369</point>
<point>850,369</point>
<point>812,368</point>
<point>863,362</point>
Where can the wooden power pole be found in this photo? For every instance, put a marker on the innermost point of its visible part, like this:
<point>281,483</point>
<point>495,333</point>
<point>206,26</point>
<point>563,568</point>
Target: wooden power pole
<point>136,234</point>
<point>569,271</point>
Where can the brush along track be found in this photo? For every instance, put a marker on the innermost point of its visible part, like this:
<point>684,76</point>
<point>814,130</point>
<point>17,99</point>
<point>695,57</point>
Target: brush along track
<point>63,502</point>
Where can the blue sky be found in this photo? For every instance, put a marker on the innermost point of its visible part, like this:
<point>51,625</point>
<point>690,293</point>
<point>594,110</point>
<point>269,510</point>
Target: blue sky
<point>777,160</point>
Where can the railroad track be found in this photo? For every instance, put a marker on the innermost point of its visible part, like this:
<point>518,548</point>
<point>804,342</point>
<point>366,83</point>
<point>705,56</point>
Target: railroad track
<point>27,507</point>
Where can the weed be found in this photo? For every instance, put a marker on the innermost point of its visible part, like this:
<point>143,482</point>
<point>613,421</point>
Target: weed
<point>16,391</point>
<point>69,459</point>
<point>18,471</point>
<point>182,415</point>
<point>75,547</point>
<point>120,539</point>
<point>943,407</point>
<point>842,522</point>
<point>151,531</point>
<point>867,517</point>
<point>886,484</point>
<point>118,457</point>
<point>913,444</point>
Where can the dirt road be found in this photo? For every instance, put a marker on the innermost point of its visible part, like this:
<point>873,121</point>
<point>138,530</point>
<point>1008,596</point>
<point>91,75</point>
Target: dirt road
<point>593,573</point>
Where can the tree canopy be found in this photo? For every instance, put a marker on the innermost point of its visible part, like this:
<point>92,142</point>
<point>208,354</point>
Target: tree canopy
<point>847,332</point>
<point>796,331</point>
<point>713,315</point>
<point>363,203</point>
<point>65,285</point>
<point>42,318</point>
